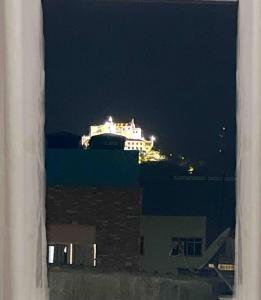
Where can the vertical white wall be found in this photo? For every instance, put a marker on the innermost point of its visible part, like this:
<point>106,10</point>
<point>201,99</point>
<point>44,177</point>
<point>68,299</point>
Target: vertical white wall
<point>22,214</point>
<point>248,239</point>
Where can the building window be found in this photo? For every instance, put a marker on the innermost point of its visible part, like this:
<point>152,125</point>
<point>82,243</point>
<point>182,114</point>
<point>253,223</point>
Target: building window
<point>186,246</point>
<point>61,254</point>
<point>94,255</point>
<point>71,255</point>
<point>51,254</point>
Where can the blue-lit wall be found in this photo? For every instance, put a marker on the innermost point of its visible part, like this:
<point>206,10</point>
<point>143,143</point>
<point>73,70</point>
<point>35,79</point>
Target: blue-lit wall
<point>104,168</point>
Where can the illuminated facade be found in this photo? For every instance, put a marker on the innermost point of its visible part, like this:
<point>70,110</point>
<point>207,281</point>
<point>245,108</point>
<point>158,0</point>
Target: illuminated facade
<point>134,138</point>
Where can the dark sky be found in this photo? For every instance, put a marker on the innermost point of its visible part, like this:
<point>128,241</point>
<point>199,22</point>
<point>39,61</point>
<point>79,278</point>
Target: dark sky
<point>170,66</point>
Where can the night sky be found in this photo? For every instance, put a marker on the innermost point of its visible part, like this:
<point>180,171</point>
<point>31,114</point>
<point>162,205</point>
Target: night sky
<point>170,66</point>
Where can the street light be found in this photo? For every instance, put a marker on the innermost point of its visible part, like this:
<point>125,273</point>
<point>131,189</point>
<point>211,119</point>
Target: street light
<point>152,138</point>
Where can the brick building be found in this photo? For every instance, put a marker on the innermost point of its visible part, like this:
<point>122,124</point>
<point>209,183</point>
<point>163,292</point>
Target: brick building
<point>95,216</point>
<point>93,203</point>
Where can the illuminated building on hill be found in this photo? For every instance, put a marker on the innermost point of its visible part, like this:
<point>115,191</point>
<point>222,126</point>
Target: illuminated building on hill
<point>134,138</point>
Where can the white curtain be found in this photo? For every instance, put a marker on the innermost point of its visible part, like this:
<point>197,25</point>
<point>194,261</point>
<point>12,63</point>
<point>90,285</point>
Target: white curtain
<point>248,237</point>
<point>23,273</point>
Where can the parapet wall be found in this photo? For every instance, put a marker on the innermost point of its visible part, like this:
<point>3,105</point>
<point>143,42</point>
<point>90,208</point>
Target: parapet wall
<point>84,285</point>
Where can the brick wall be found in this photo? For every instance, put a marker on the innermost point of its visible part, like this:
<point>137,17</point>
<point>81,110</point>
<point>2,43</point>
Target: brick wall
<point>115,212</point>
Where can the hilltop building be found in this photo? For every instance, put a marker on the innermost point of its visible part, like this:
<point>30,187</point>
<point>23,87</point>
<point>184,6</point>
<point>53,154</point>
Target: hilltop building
<point>134,138</point>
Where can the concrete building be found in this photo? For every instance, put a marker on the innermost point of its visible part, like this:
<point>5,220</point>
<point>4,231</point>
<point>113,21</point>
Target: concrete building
<point>93,205</point>
<point>161,236</point>
<point>182,217</point>
<point>105,211</point>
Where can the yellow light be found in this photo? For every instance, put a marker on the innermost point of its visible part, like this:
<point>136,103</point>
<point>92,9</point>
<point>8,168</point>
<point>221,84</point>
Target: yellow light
<point>190,169</point>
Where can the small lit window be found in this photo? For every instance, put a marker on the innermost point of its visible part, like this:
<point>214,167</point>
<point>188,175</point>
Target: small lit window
<point>60,254</point>
<point>51,254</point>
<point>71,254</point>
<point>94,255</point>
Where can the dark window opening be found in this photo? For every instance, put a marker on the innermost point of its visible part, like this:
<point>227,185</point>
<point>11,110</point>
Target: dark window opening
<point>186,246</point>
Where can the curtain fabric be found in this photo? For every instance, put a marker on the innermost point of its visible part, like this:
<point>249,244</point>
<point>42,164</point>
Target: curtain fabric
<point>248,233</point>
<point>23,272</point>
